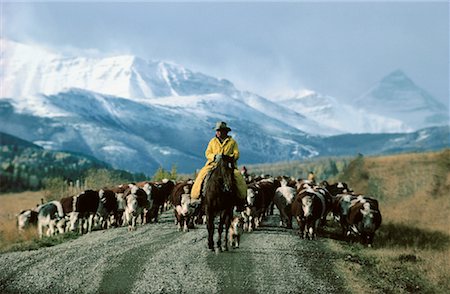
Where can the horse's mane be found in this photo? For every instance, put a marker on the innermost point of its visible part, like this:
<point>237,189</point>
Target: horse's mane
<point>220,179</point>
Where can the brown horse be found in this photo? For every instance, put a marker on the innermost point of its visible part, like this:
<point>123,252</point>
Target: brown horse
<point>220,194</point>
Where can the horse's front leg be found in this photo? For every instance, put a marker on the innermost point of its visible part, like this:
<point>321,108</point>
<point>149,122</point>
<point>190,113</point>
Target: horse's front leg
<point>220,231</point>
<point>210,227</point>
<point>227,228</point>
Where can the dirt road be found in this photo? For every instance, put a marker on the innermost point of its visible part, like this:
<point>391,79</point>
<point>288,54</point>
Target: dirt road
<point>158,259</point>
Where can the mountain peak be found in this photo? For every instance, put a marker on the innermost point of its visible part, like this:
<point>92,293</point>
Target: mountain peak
<point>398,79</point>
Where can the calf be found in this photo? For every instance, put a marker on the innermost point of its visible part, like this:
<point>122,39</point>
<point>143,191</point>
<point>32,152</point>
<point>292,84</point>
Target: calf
<point>27,218</point>
<point>51,216</point>
<point>235,231</point>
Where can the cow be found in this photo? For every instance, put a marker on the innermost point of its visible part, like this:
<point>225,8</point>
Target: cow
<point>149,189</point>
<point>51,216</point>
<point>309,208</point>
<point>283,198</point>
<point>235,231</point>
<point>26,219</point>
<point>118,191</point>
<point>81,209</point>
<point>336,188</point>
<point>268,187</point>
<point>344,202</point>
<point>252,214</point>
<point>160,195</point>
<point>183,209</point>
<point>107,208</point>
<point>363,220</point>
<point>136,201</point>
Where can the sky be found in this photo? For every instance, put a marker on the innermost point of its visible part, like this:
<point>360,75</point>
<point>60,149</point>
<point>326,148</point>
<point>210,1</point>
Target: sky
<point>337,48</point>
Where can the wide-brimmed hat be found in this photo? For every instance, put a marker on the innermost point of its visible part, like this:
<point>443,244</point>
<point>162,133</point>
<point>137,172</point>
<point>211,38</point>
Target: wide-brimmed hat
<point>220,125</point>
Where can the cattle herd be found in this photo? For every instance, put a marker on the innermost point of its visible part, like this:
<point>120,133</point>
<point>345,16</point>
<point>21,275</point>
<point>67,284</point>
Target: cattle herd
<point>140,203</point>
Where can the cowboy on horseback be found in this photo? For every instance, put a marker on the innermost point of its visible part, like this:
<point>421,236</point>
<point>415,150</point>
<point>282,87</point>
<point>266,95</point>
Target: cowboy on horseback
<point>221,144</point>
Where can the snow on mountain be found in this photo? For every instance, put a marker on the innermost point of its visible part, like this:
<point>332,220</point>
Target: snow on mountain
<point>397,96</point>
<point>141,136</point>
<point>28,70</point>
<point>342,117</point>
<point>138,115</point>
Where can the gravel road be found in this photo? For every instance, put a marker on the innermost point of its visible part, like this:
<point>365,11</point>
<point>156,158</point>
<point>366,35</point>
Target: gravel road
<point>158,259</point>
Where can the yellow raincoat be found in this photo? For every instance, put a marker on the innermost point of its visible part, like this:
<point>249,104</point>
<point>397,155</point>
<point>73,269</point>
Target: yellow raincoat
<point>228,147</point>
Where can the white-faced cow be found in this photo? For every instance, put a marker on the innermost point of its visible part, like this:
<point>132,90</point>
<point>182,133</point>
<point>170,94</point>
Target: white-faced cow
<point>253,212</point>
<point>363,220</point>
<point>26,219</point>
<point>118,191</point>
<point>308,208</point>
<point>283,198</point>
<point>107,208</point>
<point>183,209</point>
<point>51,216</point>
<point>136,201</point>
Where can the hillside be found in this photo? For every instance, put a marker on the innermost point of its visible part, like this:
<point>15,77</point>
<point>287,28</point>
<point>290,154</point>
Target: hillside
<point>25,166</point>
<point>409,186</point>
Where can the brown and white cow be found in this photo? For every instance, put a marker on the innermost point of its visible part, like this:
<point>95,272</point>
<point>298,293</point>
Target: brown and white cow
<point>309,208</point>
<point>136,201</point>
<point>253,212</point>
<point>26,219</point>
<point>118,191</point>
<point>283,198</point>
<point>336,188</point>
<point>183,209</point>
<point>363,220</point>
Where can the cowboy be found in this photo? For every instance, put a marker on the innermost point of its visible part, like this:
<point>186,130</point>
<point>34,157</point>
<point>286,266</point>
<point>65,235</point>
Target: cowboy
<point>222,143</point>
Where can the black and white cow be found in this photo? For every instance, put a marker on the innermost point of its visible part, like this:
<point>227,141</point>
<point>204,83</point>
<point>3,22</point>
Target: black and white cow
<point>51,216</point>
<point>81,209</point>
<point>107,208</point>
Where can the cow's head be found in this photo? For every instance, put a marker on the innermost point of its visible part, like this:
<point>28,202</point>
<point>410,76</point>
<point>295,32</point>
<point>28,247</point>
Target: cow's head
<point>367,221</point>
<point>251,196</point>
<point>185,202</point>
<point>132,203</point>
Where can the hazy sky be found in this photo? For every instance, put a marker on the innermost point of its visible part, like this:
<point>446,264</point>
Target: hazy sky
<point>336,48</point>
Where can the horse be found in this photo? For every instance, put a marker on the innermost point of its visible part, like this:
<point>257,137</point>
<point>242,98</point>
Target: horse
<point>220,194</point>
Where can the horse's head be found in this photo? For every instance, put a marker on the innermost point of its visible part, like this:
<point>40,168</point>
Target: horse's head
<point>226,166</point>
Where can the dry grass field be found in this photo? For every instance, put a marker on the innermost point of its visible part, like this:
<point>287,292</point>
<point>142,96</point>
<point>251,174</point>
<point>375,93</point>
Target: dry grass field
<point>412,247</point>
<point>10,205</point>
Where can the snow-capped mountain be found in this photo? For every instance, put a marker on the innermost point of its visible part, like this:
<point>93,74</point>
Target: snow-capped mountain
<point>397,96</point>
<point>138,115</point>
<point>28,70</point>
<point>341,117</point>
